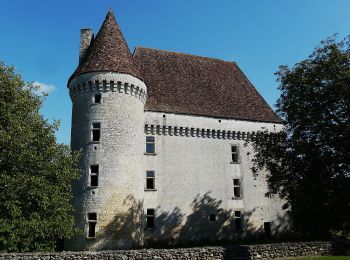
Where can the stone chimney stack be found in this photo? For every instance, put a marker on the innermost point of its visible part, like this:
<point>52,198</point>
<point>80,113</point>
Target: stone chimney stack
<point>86,36</point>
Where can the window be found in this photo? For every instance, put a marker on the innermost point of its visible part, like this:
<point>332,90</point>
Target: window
<point>235,153</point>
<point>150,216</point>
<point>212,217</point>
<point>150,180</point>
<point>150,144</point>
<point>97,99</point>
<point>237,188</point>
<point>92,219</point>
<point>267,228</point>
<point>94,171</point>
<point>238,220</point>
<point>96,132</point>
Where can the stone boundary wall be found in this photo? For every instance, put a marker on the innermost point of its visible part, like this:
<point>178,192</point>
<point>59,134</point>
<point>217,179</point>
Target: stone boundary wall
<point>259,251</point>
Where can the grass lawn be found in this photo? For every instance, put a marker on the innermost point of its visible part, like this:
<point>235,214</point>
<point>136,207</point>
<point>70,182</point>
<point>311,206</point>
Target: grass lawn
<point>322,258</point>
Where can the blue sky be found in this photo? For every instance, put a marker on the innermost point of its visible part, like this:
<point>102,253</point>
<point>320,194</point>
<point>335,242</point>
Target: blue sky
<point>41,38</point>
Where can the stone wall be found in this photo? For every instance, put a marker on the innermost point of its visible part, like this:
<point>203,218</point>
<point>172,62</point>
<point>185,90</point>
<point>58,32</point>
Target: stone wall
<point>118,154</point>
<point>261,251</point>
<point>194,179</point>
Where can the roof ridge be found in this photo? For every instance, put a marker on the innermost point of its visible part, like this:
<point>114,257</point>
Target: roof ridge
<point>182,53</point>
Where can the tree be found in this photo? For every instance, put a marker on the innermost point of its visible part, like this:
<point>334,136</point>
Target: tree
<point>308,162</point>
<point>35,172</point>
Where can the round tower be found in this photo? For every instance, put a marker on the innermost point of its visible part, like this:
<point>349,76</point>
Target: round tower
<point>108,96</point>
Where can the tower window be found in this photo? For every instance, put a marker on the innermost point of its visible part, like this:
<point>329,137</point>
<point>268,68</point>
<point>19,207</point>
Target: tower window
<point>97,98</point>
<point>92,219</point>
<point>96,132</point>
<point>235,153</point>
<point>94,171</point>
<point>150,180</point>
<point>237,193</point>
<point>212,217</point>
<point>238,220</point>
<point>150,216</point>
<point>150,144</point>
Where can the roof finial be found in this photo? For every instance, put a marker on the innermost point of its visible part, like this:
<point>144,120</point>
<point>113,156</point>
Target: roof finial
<point>110,11</point>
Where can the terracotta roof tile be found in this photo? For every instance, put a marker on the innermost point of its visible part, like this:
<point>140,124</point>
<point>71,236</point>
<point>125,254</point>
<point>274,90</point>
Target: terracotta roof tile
<point>188,84</point>
<point>108,52</point>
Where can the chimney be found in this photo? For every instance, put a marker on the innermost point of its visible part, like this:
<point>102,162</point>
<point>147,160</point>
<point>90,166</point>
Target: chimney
<point>86,36</point>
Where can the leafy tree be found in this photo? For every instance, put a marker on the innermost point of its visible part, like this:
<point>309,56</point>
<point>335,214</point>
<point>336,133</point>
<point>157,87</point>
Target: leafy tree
<point>35,172</point>
<point>308,162</point>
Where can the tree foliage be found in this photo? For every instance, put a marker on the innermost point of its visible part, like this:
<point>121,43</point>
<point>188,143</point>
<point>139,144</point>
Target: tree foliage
<point>309,162</point>
<point>35,172</point>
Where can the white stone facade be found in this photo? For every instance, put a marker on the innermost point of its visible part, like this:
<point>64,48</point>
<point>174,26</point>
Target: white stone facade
<point>193,198</point>
<point>194,178</point>
<point>118,154</point>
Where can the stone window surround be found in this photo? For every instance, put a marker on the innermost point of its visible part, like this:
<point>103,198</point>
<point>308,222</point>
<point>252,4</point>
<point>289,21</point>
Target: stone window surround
<point>151,177</point>
<point>88,221</point>
<point>240,187</point>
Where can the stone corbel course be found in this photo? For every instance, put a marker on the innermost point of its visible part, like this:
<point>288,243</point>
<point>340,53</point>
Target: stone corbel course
<point>198,132</point>
<point>105,86</point>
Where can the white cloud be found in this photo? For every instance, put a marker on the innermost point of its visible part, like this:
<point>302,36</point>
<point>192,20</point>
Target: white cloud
<point>44,88</point>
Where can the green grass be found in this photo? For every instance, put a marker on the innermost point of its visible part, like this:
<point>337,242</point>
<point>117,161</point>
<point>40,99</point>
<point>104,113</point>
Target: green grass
<point>322,258</point>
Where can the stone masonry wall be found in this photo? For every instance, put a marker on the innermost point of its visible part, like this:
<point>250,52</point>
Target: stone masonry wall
<point>261,251</point>
<point>117,198</point>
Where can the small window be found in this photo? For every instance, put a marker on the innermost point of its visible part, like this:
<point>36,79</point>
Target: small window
<point>150,216</point>
<point>212,217</point>
<point>150,144</point>
<point>92,219</point>
<point>238,220</point>
<point>97,99</point>
<point>235,153</point>
<point>267,228</point>
<point>94,171</point>
<point>237,188</point>
<point>96,132</point>
<point>150,180</point>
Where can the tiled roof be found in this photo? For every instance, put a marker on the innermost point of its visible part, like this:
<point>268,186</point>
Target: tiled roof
<point>108,52</point>
<point>188,84</point>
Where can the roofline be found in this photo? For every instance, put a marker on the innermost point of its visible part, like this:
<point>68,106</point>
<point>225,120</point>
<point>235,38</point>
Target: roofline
<point>282,122</point>
<point>181,53</point>
<point>256,90</point>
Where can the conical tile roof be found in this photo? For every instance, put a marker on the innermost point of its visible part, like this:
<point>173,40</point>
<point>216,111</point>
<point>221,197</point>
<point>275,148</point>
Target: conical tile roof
<point>108,52</point>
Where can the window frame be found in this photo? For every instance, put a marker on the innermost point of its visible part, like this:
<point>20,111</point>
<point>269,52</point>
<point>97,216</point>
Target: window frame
<point>213,217</point>
<point>237,153</point>
<point>94,174</point>
<point>153,178</point>
<point>239,186</point>
<point>150,216</point>
<point>100,98</point>
<point>95,129</point>
<point>153,152</point>
<point>238,217</point>
<point>91,222</point>
<point>268,228</point>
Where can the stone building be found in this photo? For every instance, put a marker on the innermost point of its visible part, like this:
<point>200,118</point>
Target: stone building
<point>162,137</point>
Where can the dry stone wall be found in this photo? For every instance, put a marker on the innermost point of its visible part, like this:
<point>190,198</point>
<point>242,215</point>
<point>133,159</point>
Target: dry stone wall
<point>261,251</point>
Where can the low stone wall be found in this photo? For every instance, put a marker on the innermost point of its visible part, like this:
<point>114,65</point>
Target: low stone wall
<point>259,251</point>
